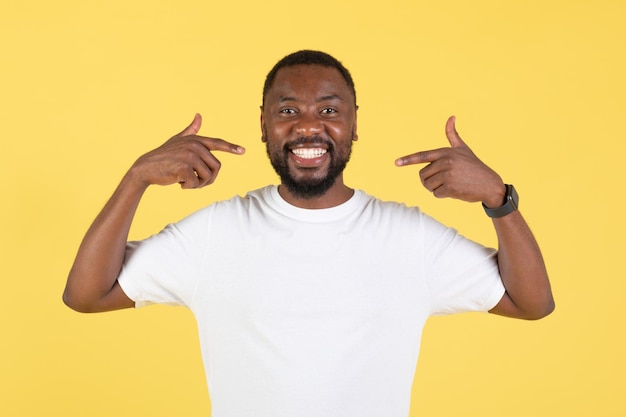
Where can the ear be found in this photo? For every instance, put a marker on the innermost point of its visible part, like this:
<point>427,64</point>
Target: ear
<point>263,138</point>
<point>355,135</point>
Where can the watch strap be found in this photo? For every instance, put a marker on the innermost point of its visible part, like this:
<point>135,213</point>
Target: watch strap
<point>511,203</point>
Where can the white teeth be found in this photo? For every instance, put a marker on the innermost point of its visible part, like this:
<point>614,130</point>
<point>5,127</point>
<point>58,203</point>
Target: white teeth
<point>309,153</point>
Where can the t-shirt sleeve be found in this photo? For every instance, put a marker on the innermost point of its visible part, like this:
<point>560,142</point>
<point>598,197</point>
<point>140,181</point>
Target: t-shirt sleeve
<point>164,268</point>
<point>463,276</point>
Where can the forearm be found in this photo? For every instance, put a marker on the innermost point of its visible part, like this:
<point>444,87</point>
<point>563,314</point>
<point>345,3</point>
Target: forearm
<point>185,159</point>
<point>92,281</point>
<point>528,293</point>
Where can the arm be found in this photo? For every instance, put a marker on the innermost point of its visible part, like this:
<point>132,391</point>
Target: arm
<point>528,294</point>
<point>185,159</point>
<point>457,173</point>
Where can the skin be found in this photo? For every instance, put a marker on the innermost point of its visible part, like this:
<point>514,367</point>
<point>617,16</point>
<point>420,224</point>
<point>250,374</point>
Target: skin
<point>456,172</point>
<point>310,101</point>
<point>305,101</point>
<point>186,159</point>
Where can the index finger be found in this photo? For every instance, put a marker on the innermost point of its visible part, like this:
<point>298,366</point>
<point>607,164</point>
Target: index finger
<point>422,157</point>
<point>217,144</point>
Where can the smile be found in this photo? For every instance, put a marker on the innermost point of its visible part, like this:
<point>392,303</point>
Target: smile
<point>308,153</point>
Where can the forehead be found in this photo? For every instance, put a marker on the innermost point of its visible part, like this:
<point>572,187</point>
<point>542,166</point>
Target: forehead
<point>309,81</point>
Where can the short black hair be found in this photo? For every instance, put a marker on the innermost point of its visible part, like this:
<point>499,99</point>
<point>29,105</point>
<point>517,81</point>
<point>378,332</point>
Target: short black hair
<point>308,57</point>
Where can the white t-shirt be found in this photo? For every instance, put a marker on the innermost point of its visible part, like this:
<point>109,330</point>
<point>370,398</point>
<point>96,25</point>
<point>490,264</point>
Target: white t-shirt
<point>311,312</point>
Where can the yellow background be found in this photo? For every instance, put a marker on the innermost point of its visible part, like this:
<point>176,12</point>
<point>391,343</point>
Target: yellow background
<point>538,89</point>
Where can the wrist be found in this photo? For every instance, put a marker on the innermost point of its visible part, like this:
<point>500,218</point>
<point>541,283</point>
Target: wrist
<point>496,198</point>
<point>511,203</point>
<point>135,180</point>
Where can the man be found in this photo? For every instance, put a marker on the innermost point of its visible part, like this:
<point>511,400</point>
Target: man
<point>310,297</point>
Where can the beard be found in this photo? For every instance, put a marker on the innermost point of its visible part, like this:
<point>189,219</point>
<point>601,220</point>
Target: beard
<point>311,186</point>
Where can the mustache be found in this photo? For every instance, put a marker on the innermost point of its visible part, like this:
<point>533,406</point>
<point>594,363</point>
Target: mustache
<point>309,140</point>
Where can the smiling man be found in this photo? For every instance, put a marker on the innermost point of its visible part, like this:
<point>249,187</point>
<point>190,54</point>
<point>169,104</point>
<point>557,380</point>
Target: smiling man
<point>308,122</point>
<point>310,296</point>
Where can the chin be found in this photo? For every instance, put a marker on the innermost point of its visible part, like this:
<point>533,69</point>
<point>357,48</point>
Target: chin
<point>308,189</point>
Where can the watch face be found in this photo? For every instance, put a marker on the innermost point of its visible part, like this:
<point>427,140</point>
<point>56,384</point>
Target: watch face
<point>512,196</point>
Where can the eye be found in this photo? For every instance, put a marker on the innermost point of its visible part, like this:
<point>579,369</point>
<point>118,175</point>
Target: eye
<point>287,111</point>
<point>329,110</point>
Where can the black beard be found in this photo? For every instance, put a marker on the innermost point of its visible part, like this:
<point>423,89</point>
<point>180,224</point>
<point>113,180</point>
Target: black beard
<point>314,187</point>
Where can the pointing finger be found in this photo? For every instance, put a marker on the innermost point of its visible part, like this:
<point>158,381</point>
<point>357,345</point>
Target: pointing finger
<point>421,157</point>
<point>217,144</point>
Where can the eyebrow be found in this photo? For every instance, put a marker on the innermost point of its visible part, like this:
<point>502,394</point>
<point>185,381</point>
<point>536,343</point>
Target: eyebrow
<point>282,99</point>
<point>328,97</point>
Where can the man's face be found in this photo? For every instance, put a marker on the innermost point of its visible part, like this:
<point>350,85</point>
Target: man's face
<point>308,123</point>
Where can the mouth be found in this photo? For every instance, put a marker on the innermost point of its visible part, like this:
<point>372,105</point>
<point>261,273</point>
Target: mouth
<point>309,156</point>
<point>309,153</point>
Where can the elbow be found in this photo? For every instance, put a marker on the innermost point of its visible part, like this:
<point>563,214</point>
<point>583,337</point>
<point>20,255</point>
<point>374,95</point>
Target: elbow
<point>543,311</point>
<point>79,295</point>
<point>550,308</point>
<point>76,303</point>
<point>87,299</point>
<point>533,308</point>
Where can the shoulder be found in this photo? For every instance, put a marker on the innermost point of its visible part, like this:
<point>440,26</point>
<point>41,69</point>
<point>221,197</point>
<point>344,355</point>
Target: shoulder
<point>386,213</point>
<point>377,206</point>
<point>254,198</point>
<point>238,208</point>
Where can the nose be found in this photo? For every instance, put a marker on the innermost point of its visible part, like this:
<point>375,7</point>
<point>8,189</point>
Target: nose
<point>308,125</point>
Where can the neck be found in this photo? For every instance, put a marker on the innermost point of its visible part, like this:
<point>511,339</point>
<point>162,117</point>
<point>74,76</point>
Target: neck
<point>338,194</point>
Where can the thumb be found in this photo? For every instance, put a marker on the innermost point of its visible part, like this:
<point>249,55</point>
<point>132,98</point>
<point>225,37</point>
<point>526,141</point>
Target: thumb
<point>452,135</point>
<point>193,127</point>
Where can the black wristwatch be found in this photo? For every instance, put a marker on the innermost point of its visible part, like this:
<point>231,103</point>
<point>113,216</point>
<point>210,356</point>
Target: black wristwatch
<point>511,203</point>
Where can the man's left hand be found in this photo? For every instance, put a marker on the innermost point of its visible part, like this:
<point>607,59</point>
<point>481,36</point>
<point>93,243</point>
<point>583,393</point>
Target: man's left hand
<point>456,172</point>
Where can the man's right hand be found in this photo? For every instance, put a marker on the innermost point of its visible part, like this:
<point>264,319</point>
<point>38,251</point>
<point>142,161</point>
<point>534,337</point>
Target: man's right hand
<point>186,158</point>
